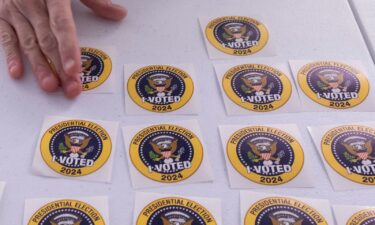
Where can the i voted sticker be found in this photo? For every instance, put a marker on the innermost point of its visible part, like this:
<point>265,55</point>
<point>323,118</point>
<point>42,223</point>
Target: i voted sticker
<point>333,84</point>
<point>160,88</point>
<point>283,210</point>
<point>265,155</point>
<point>237,35</point>
<point>257,87</point>
<point>175,211</point>
<point>166,153</point>
<point>75,147</point>
<point>364,217</point>
<point>66,212</point>
<point>96,67</point>
<point>349,150</point>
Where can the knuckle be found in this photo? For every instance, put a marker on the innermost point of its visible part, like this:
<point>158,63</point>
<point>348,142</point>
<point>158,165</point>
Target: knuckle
<point>47,42</point>
<point>62,22</point>
<point>7,39</point>
<point>28,42</point>
<point>6,9</point>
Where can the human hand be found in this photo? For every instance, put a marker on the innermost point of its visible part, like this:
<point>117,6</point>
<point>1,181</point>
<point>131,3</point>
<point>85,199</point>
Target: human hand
<point>44,31</point>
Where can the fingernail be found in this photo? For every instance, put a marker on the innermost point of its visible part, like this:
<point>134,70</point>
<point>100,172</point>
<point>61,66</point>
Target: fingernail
<point>69,65</point>
<point>73,86</point>
<point>12,67</point>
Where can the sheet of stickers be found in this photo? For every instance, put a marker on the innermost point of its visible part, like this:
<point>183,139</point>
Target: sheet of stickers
<point>97,70</point>
<point>265,156</point>
<point>347,153</point>
<point>258,208</point>
<point>334,85</point>
<point>349,214</point>
<point>67,211</point>
<point>154,89</point>
<point>77,149</point>
<point>165,154</point>
<point>152,208</point>
<point>257,86</point>
<point>233,36</point>
<point>256,156</point>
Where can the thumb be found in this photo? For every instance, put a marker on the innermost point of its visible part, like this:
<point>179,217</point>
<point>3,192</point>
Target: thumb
<point>106,9</point>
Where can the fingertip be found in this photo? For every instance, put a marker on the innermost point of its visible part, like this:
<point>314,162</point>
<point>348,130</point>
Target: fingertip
<point>49,84</point>
<point>72,89</point>
<point>112,12</point>
<point>15,70</point>
<point>120,12</point>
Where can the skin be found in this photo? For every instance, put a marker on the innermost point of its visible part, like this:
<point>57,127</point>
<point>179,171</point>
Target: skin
<point>44,30</point>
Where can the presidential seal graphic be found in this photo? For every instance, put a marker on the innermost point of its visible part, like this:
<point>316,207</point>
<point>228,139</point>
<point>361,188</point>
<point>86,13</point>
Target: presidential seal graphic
<point>257,87</point>
<point>364,217</point>
<point>175,211</point>
<point>160,88</point>
<point>349,150</point>
<point>283,211</point>
<point>67,212</point>
<point>237,35</point>
<point>333,84</point>
<point>166,153</point>
<point>265,155</point>
<point>75,147</point>
<point>96,67</point>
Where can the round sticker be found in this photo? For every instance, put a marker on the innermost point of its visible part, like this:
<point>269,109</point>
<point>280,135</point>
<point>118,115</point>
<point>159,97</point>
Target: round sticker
<point>257,87</point>
<point>349,151</point>
<point>364,217</point>
<point>96,67</point>
<point>237,35</point>
<point>67,212</point>
<point>333,84</point>
<point>75,147</point>
<point>281,210</point>
<point>265,155</point>
<point>166,153</point>
<point>160,88</point>
<point>175,211</point>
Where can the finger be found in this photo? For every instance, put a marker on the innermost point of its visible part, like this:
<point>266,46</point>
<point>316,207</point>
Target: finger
<point>11,48</point>
<point>28,42</point>
<point>63,27</point>
<point>37,14</point>
<point>106,9</point>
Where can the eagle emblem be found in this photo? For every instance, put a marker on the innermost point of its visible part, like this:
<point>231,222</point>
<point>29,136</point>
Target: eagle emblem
<point>265,150</point>
<point>75,143</point>
<point>164,148</point>
<point>176,218</point>
<point>66,219</point>
<point>237,32</point>
<point>160,85</point>
<point>332,80</point>
<point>256,83</point>
<point>87,65</point>
<point>285,218</point>
<point>359,149</point>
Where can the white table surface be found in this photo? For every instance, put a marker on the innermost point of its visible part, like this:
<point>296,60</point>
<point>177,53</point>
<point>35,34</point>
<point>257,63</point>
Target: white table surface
<point>364,12</point>
<point>167,31</point>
